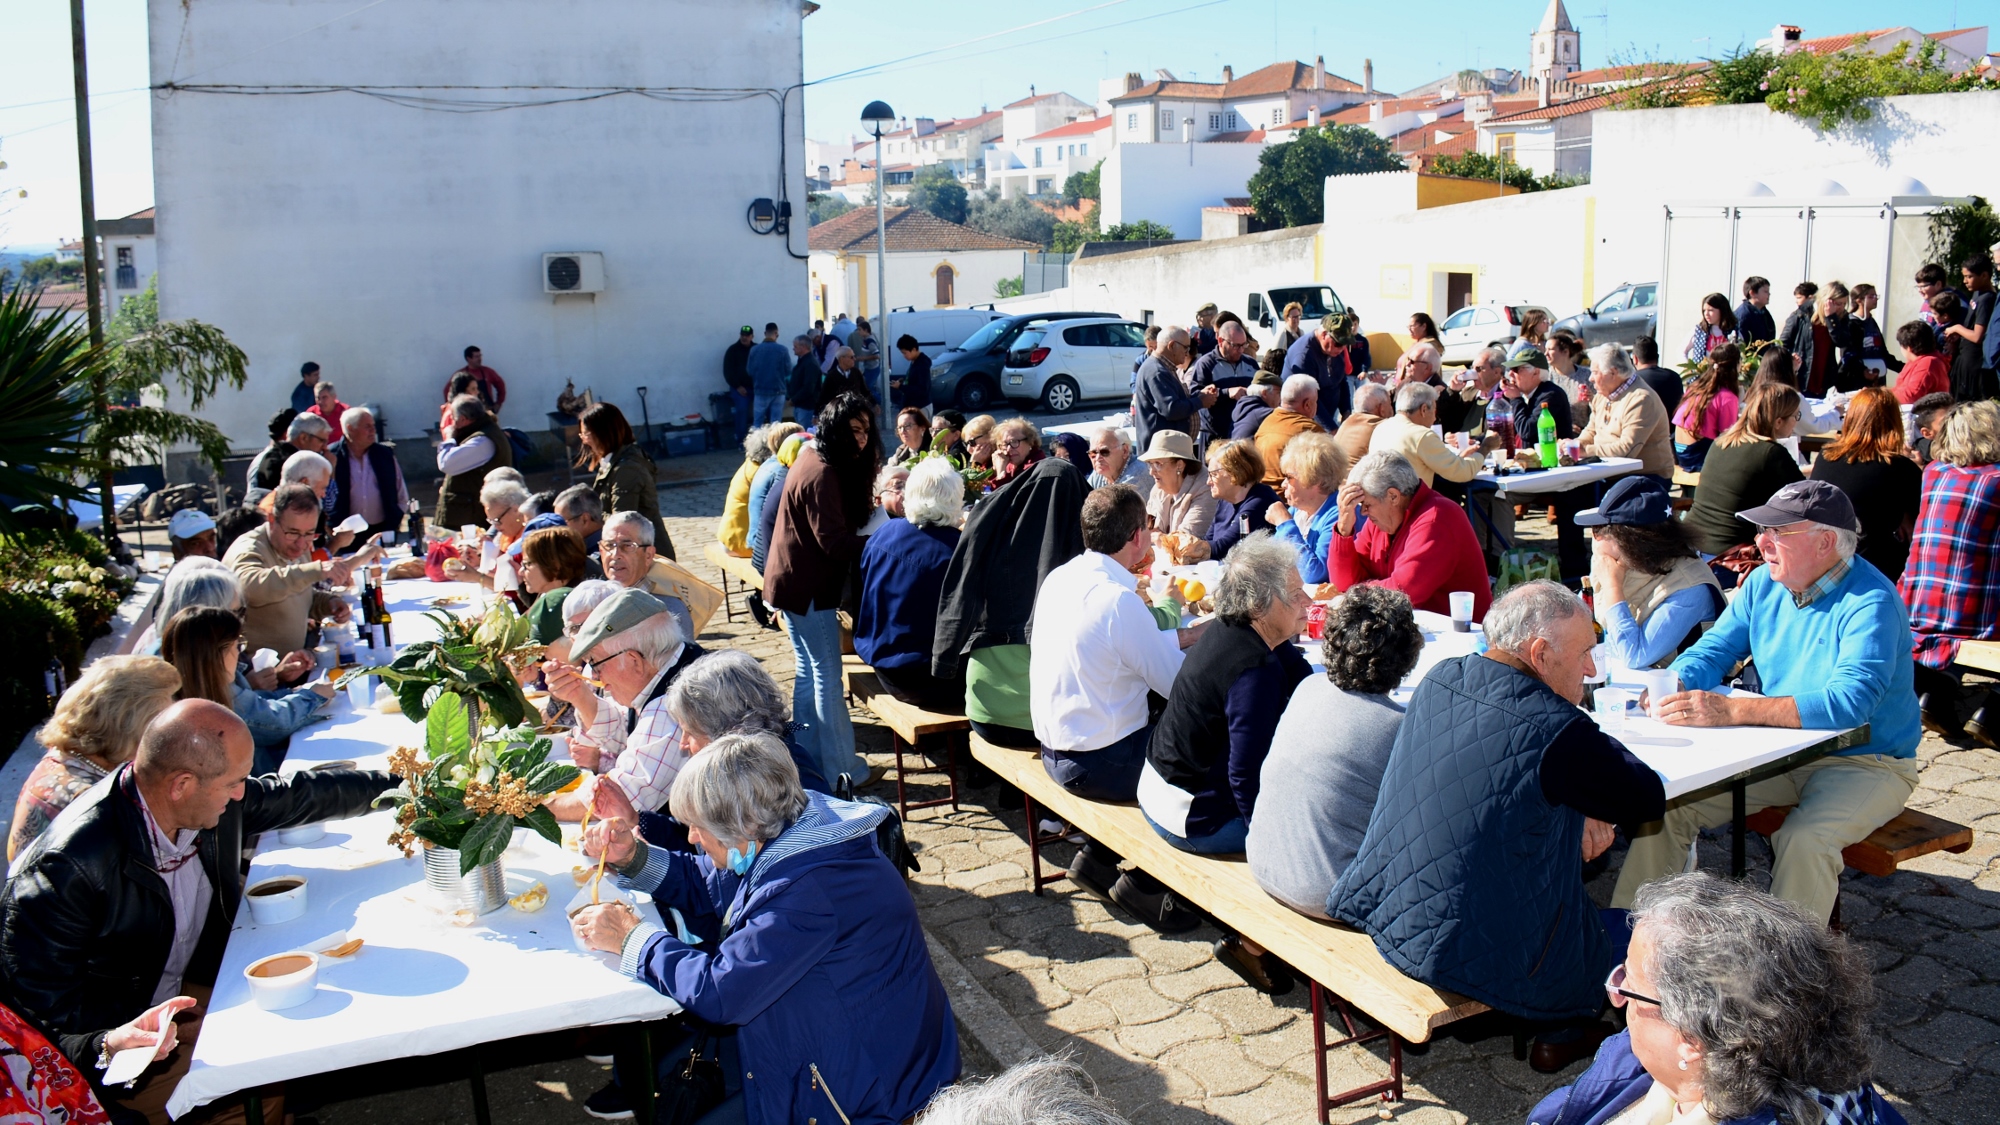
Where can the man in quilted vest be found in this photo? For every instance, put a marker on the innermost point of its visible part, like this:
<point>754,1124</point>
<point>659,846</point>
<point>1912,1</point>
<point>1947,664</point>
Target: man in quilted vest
<point>1497,790</point>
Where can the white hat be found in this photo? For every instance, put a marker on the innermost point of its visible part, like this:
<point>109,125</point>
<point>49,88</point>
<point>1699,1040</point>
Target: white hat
<point>188,523</point>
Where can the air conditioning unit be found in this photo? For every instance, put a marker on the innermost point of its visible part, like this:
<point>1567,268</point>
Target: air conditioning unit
<point>573,271</point>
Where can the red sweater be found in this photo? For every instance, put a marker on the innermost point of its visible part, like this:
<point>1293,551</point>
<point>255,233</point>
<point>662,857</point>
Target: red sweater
<point>1433,553</point>
<point>1920,376</point>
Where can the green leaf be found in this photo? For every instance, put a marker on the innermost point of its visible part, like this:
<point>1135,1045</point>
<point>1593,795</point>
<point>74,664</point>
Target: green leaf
<point>399,794</point>
<point>438,832</point>
<point>544,822</point>
<point>445,733</point>
<point>484,841</point>
<point>549,777</point>
<point>410,693</point>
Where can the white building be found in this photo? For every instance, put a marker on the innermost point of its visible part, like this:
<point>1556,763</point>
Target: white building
<point>932,264</point>
<point>130,259</point>
<point>1554,50</point>
<point>1171,183</point>
<point>1038,165</point>
<point>379,233</point>
<point>1168,109</point>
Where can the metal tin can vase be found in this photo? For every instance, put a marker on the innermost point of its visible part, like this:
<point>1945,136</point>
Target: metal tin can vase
<point>482,890</point>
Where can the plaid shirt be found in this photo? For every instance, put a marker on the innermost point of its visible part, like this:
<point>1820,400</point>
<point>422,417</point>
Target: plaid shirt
<point>1952,582</point>
<point>1823,585</point>
<point>646,748</point>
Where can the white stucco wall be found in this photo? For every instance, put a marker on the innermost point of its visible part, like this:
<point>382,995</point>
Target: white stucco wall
<point>849,279</point>
<point>145,262</point>
<point>380,240</point>
<point>1170,183</point>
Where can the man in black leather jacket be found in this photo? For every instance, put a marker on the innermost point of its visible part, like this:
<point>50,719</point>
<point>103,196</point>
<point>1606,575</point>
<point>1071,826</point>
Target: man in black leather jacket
<point>88,918</point>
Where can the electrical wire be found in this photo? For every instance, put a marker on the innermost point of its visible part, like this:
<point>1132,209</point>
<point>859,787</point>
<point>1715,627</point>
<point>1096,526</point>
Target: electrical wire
<point>907,64</point>
<point>873,67</point>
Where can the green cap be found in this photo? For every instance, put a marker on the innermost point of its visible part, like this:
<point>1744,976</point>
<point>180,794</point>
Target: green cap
<point>1528,355</point>
<point>1265,377</point>
<point>613,615</point>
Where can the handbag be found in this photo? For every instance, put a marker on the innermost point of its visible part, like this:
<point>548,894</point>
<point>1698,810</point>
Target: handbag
<point>691,1089</point>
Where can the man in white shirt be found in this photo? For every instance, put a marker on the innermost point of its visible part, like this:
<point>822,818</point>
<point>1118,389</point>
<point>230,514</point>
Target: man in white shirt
<point>1097,651</point>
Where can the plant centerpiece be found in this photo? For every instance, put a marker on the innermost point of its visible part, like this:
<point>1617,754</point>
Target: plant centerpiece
<point>473,660</point>
<point>467,794</point>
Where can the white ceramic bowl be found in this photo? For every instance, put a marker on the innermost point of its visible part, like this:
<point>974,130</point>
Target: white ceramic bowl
<point>303,834</point>
<point>285,989</point>
<point>276,903</point>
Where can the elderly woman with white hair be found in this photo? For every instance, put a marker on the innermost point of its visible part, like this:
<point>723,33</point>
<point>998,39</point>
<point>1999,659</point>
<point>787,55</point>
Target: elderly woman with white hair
<point>902,581</point>
<point>1414,539</point>
<point>789,926</point>
<point>624,735</point>
<point>502,500</point>
<point>1739,1007</point>
<point>1199,786</point>
<point>199,581</point>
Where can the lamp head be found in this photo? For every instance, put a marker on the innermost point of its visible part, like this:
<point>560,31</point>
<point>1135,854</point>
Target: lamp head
<point>877,114</point>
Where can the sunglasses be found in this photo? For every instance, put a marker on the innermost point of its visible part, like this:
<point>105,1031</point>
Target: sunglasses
<point>1614,987</point>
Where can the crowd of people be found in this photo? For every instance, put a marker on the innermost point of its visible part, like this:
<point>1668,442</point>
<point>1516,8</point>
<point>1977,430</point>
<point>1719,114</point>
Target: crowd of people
<point>982,566</point>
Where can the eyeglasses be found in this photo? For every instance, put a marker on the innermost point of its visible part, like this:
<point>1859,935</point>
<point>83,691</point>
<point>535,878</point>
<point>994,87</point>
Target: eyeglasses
<point>621,545</point>
<point>1773,533</point>
<point>1009,443</point>
<point>1614,987</point>
<point>1100,453</point>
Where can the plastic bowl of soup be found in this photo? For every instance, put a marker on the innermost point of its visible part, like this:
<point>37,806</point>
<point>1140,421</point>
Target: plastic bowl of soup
<point>282,980</point>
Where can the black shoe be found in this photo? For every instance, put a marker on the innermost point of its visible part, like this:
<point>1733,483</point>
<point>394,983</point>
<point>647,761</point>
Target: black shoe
<point>1555,1051</point>
<point>760,611</point>
<point>1940,714</point>
<point>1157,909</point>
<point>1091,874</point>
<point>1260,971</point>
<point>608,1104</point>
<point>1985,722</point>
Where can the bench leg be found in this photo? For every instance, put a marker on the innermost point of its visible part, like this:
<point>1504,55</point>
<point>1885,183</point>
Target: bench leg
<point>950,770</point>
<point>728,608</point>
<point>1035,842</point>
<point>1390,1088</point>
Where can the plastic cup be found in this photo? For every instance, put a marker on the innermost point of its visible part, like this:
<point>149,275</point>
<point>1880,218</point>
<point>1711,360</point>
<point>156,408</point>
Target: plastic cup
<point>1461,611</point>
<point>359,694</point>
<point>1608,707</point>
<point>388,538</point>
<point>1660,683</point>
<point>1600,658</point>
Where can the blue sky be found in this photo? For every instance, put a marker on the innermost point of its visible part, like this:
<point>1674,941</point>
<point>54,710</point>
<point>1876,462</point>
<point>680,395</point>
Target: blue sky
<point>963,64</point>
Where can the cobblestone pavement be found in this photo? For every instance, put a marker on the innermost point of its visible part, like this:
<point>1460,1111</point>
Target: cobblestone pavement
<point>1173,1036</point>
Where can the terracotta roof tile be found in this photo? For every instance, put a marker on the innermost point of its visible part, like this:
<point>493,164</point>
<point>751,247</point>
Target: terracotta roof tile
<point>1082,127</point>
<point>908,229</point>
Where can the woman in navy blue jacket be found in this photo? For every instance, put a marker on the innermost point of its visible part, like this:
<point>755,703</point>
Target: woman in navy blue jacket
<point>1739,1007</point>
<point>902,581</point>
<point>791,928</point>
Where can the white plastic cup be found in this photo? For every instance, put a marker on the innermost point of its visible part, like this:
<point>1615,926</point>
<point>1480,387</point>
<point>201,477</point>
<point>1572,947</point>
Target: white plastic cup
<point>388,538</point>
<point>1600,658</point>
<point>1609,709</point>
<point>359,695</point>
<point>1660,683</point>
<point>1461,611</point>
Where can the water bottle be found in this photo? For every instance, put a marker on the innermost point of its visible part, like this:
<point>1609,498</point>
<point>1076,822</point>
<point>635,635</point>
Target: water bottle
<point>1545,437</point>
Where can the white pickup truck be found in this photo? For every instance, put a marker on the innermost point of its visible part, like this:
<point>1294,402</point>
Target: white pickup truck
<point>1265,310</point>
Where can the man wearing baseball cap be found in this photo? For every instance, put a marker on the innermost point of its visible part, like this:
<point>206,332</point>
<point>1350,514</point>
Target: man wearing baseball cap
<point>633,647</point>
<point>191,532</point>
<point>1831,647</point>
<point>736,373</point>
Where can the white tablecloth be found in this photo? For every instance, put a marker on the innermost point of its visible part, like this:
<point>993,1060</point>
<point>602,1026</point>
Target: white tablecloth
<point>421,984</point>
<point>1688,759</point>
<point>1561,478</point>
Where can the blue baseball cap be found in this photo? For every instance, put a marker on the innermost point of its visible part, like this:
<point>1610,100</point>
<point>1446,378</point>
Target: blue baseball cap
<point>1637,500</point>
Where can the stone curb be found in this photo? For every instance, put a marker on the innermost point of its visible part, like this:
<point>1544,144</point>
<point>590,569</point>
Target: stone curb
<point>979,1013</point>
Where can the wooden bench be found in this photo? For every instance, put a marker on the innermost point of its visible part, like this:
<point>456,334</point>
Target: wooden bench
<point>1342,964</point>
<point>1913,833</point>
<point>908,722</point>
<point>732,566</point>
<point>1983,656</point>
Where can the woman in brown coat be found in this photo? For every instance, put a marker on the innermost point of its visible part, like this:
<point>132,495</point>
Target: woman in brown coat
<point>813,544</point>
<point>626,480</point>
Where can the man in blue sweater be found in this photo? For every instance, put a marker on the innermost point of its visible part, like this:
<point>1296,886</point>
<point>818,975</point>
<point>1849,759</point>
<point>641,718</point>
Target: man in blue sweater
<point>1831,644</point>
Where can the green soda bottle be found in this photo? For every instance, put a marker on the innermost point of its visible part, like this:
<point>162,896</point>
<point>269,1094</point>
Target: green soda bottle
<point>1545,437</point>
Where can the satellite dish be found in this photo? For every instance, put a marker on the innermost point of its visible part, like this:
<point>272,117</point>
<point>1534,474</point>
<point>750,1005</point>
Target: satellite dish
<point>1827,187</point>
<point>1907,185</point>
<point>1756,188</point>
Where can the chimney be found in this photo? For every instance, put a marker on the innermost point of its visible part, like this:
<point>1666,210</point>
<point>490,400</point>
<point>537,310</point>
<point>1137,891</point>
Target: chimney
<point>1542,89</point>
<point>1312,116</point>
<point>1132,81</point>
<point>1478,108</point>
<point>1375,111</point>
<point>1368,79</point>
<point>1319,72</point>
<point>1228,74</point>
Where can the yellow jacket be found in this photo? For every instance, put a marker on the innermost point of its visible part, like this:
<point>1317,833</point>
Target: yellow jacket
<point>734,527</point>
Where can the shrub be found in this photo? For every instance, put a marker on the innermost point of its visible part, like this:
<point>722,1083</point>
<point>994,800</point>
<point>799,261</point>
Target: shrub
<point>58,592</point>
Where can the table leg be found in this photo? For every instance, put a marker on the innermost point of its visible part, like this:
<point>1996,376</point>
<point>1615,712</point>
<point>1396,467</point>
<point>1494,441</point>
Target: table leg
<point>476,1078</point>
<point>640,1080</point>
<point>1737,814</point>
<point>253,1108</point>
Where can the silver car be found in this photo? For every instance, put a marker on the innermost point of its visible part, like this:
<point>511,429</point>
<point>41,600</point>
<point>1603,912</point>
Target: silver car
<point>1620,317</point>
<point>1068,361</point>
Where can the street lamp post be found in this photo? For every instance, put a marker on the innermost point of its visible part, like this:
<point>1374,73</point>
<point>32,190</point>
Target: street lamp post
<point>874,116</point>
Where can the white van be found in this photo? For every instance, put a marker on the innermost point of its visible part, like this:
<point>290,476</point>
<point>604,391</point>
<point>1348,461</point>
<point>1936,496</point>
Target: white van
<point>937,330</point>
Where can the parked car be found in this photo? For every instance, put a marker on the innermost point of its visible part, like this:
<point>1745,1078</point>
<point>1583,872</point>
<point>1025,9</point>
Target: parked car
<point>1474,327</point>
<point>968,376</point>
<point>937,331</point>
<point>1622,316</point>
<point>1265,310</point>
<point>1064,362</point>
